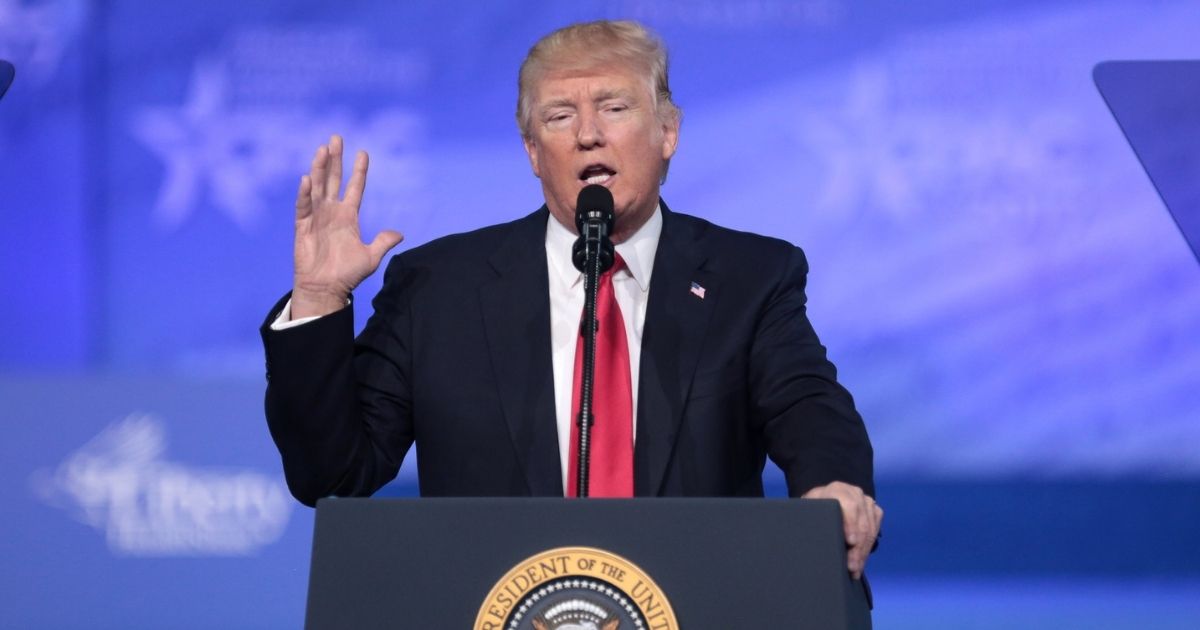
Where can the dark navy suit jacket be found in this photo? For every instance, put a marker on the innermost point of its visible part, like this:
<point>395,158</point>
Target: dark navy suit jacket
<point>457,359</point>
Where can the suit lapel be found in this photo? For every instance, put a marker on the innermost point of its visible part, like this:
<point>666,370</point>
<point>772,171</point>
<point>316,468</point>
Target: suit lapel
<point>516,315</point>
<point>676,322</point>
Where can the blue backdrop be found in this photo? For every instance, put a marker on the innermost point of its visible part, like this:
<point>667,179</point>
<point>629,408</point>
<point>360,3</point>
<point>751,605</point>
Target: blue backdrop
<point>993,273</point>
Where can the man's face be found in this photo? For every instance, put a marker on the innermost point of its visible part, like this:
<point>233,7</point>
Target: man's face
<point>599,126</point>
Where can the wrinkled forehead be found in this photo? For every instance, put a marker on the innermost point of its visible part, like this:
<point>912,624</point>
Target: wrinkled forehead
<point>591,81</point>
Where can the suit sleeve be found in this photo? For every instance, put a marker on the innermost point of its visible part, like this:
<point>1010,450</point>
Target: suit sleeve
<point>808,420</point>
<point>338,409</point>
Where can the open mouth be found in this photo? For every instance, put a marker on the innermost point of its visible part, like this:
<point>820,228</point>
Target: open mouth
<point>596,174</point>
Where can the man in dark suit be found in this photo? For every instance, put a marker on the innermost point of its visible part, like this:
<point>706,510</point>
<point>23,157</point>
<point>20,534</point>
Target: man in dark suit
<point>470,350</point>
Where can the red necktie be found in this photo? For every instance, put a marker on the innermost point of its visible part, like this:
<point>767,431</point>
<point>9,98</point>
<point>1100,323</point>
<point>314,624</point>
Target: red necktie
<point>611,459</point>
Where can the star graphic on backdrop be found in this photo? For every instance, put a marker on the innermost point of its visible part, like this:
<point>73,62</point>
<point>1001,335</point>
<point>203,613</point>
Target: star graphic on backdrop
<point>176,136</point>
<point>230,154</point>
<point>216,154</point>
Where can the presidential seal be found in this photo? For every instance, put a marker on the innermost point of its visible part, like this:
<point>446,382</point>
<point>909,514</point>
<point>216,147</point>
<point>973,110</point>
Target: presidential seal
<point>576,588</point>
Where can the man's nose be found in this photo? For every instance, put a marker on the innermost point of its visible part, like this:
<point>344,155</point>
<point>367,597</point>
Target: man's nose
<point>591,131</point>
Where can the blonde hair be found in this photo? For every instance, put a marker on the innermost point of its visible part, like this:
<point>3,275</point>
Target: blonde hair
<point>592,44</point>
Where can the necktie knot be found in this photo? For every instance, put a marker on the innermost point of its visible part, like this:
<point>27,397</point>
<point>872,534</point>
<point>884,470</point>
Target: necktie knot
<point>618,264</point>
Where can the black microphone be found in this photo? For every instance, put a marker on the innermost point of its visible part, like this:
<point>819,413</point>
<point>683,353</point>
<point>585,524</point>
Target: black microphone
<point>593,255</point>
<point>594,220</point>
<point>7,71</point>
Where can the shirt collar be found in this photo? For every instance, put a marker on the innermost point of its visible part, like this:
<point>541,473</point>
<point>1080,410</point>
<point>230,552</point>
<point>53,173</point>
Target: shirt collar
<point>638,251</point>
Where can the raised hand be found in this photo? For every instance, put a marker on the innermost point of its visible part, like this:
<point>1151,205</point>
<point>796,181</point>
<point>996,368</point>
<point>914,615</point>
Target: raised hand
<point>331,258</point>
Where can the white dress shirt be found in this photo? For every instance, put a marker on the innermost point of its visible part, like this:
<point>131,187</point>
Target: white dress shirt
<point>631,287</point>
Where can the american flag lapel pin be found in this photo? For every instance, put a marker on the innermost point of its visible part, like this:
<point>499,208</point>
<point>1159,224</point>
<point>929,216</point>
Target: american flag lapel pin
<point>697,290</point>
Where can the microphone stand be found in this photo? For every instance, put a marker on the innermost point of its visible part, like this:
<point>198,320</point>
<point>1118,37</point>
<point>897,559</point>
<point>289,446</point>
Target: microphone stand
<point>592,254</point>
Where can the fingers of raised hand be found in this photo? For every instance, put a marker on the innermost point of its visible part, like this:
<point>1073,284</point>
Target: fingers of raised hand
<point>358,180</point>
<point>326,170</point>
<point>304,198</point>
<point>333,182</point>
<point>319,173</point>
<point>382,243</point>
<point>325,176</point>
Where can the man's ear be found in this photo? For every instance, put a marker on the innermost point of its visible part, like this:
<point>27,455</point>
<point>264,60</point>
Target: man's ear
<point>670,128</point>
<point>532,151</point>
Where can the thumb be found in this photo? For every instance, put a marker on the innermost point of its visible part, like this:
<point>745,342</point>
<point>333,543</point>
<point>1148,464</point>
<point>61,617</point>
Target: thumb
<point>384,242</point>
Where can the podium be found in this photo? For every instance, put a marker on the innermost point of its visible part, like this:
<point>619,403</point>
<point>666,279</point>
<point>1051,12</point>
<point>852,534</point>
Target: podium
<point>609,564</point>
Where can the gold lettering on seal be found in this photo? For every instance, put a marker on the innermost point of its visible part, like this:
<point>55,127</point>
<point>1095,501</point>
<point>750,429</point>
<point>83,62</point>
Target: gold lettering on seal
<point>551,565</point>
